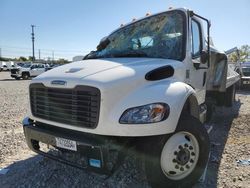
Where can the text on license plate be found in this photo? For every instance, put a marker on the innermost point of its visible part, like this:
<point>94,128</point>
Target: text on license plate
<point>66,144</point>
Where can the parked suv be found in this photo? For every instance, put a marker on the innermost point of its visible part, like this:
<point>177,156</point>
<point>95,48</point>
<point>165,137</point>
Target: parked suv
<point>27,71</point>
<point>244,70</point>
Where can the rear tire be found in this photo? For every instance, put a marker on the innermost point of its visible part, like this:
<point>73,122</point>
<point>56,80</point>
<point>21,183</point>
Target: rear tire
<point>209,113</point>
<point>179,159</point>
<point>238,85</point>
<point>230,96</point>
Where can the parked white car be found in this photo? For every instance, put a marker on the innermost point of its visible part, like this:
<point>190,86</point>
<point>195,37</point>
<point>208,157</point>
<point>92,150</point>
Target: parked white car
<point>6,66</point>
<point>27,71</point>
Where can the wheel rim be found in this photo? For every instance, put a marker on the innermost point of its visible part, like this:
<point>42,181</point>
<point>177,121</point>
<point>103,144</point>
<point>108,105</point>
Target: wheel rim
<point>179,155</point>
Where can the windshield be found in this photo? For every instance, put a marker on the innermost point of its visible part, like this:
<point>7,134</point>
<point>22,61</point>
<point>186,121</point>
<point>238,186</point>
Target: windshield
<point>26,65</point>
<point>160,36</point>
<point>246,71</point>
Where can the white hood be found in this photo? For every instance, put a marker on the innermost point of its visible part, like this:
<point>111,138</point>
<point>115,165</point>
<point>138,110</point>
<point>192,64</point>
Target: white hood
<point>97,72</point>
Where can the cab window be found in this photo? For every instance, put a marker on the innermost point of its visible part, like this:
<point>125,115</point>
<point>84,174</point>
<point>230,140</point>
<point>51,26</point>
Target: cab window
<point>34,67</point>
<point>40,66</point>
<point>196,39</point>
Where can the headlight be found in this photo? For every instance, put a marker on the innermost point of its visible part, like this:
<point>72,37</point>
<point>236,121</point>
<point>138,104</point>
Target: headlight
<point>150,113</point>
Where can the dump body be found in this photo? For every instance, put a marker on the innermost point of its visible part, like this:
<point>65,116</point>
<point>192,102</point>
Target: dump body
<point>220,75</point>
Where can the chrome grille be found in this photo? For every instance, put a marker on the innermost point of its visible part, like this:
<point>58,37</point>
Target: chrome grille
<point>13,71</point>
<point>78,107</point>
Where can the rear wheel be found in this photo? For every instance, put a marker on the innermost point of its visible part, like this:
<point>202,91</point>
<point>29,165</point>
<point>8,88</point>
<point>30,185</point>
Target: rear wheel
<point>179,159</point>
<point>209,113</point>
<point>230,96</point>
<point>238,85</point>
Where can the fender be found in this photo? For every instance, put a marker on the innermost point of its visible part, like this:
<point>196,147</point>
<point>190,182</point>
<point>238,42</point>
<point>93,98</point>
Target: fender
<point>175,94</point>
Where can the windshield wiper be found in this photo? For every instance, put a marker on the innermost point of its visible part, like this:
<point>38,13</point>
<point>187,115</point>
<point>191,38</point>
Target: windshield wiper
<point>131,54</point>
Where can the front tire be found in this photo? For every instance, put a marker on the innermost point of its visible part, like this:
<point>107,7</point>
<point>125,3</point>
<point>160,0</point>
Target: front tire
<point>179,159</point>
<point>25,76</point>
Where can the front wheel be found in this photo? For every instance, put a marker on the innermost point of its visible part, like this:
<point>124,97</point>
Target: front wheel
<point>179,159</point>
<point>25,76</point>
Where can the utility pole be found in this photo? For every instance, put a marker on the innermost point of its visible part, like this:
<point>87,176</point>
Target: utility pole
<point>39,54</point>
<point>33,40</point>
<point>0,52</point>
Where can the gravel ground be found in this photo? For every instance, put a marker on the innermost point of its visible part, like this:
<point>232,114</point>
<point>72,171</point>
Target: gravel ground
<point>230,138</point>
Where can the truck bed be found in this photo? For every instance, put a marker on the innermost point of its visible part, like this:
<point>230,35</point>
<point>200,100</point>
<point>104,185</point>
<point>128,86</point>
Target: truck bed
<point>220,74</point>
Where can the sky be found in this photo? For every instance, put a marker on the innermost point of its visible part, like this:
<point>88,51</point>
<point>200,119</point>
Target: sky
<point>75,27</point>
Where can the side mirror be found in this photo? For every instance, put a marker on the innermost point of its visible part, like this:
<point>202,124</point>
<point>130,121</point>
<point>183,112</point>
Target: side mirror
<point>204,57</point>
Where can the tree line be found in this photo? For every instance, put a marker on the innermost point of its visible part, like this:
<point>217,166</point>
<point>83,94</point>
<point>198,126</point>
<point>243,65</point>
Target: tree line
<point>242,55</point>
<point>24,59</point>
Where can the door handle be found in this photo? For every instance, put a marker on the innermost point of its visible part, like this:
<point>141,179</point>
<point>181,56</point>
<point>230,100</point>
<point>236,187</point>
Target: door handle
<point>204,78</point>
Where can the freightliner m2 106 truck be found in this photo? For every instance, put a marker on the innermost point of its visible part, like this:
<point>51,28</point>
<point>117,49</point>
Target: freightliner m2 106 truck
<point>149,86</point>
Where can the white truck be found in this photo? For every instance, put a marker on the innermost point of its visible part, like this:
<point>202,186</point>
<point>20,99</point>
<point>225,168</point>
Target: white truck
<point>146,86</point>
<point>27,70</point>
<point>244,71</point>
<point>6,65</point>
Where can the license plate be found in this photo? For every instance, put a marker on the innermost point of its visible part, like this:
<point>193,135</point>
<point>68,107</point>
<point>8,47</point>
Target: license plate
<point>66,144</point>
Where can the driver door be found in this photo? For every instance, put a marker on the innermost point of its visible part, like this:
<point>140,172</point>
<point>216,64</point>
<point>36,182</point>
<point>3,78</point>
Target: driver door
<point>33,70</point>
<point>198,71</point>
<point>40,69</point>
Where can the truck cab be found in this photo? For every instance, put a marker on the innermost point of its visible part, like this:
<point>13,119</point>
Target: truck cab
<point>146,86</point>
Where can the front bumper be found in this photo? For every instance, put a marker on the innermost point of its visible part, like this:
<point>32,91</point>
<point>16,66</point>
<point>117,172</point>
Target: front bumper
<point>101,154</point>
<point>15,76</point>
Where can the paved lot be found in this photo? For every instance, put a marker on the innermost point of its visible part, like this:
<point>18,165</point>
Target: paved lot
<point>230,139</point>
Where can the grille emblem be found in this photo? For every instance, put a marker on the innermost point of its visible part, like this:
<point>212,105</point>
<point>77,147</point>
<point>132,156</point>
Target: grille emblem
<point>59,82</point>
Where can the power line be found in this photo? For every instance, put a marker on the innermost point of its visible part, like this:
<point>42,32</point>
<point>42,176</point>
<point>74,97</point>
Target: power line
<point>57,50</point>
<point>27,52</point>
<point>17,51</point>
